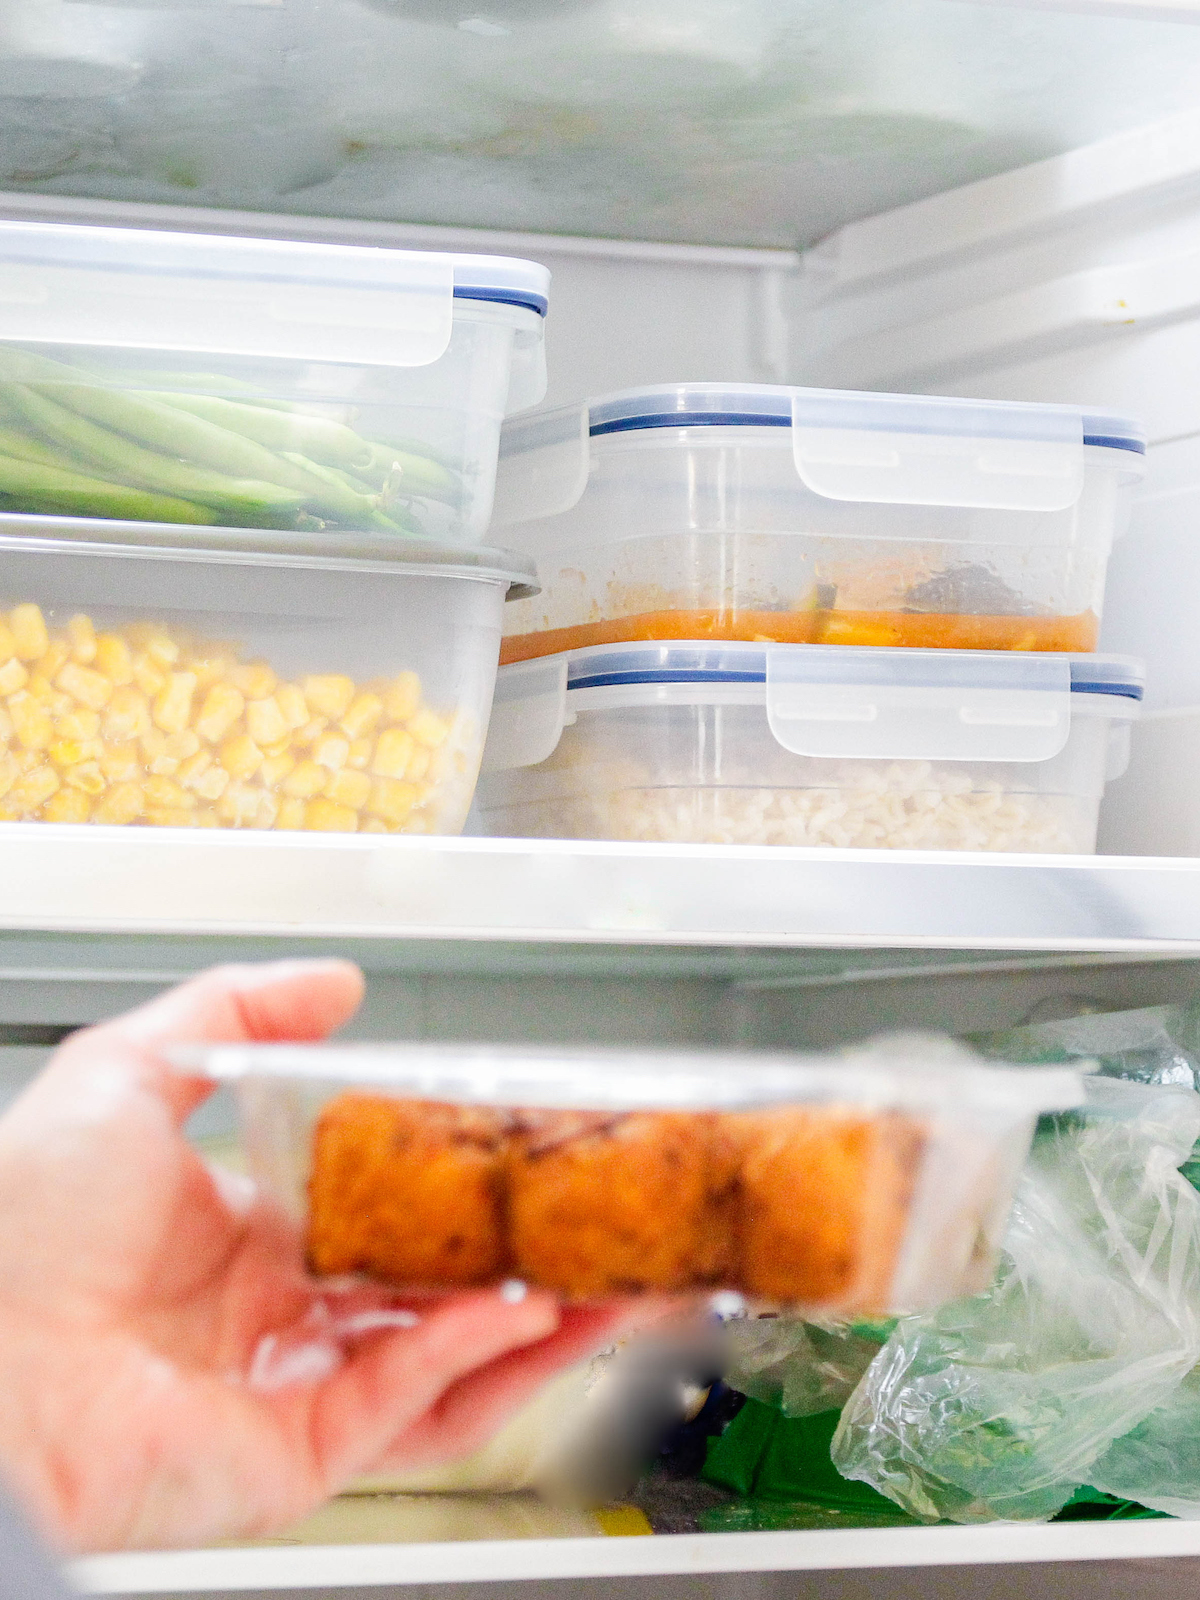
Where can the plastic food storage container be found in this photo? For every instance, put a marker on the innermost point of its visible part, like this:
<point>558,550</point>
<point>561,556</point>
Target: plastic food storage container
<point>814,516</point>
<point>174,377</point>
<point>277,680</point>
<point>809,745</point>
<point>878,1181</point>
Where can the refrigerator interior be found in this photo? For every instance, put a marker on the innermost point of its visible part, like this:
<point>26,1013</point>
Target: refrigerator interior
<point>720,189</point>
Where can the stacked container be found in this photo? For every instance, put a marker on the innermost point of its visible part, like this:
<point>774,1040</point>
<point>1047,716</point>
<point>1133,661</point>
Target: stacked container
<point>243,485</point>
<point>882,604</point>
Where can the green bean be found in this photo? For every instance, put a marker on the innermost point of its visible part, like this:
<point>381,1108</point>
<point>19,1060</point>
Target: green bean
<point>37,485</point>
<point>330,495</point>
<point>405,474</point>
<point>26,448</point>
<point>315,437</point>
<point>146,468</point>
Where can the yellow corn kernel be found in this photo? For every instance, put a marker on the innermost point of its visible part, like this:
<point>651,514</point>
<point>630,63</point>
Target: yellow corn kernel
<point>182,745</point>
<point>264,721</point>
<point>34,788</point>
<point>194,766</point>
<point>209,669</point>
<point>159,647</point>
<point>331,750</point>
<point>70,752</point>
<point>418,765</point>
<point>392,799</point>
<point>275,769</point>
<point>86,776</point>
<point>30,639</point>
<point>373,825</point>
<point>6,727</point>
<point>211,785</point>
<point>8,645</point>
<point>310,732</point>
<point>31,721</point>
<point>204,818</point>
<point>121,763</point>
<point>393,750</point>
<point>268,810</point>
<point>255,680</point>
<point>27,759</point>
<point>428,728</point>
<point>127,714</point>
<point>363,712</point>
<point>240,756</point>
<point>148,675</point>
<point>306,780</point>
<point>403,697</point>
<point>79,724</point>
<point>223,705</point>
<point>360,754</point>
<point>56,701</point>
<point>162,792</point>
<point>114,658</point>
<point>281,747</point>
<point>323,816</point>
<point>13,676</point>
<point>90,688</point>
<point>55,657</point>
<point>238,806</point>
<point>349,788</point>
<point>169,817</point>
<point>120,805</point>
<point>8,773</point>
<point>329,695</point>
<point>173,706</point>
<point>291,815</point>
<point>68,805</point>
<point>82,636</point>
<point>292,704</point>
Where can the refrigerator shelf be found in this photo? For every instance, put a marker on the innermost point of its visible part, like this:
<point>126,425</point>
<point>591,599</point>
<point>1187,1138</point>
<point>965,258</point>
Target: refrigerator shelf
<point>166,881</point>
<point>297,1567</point>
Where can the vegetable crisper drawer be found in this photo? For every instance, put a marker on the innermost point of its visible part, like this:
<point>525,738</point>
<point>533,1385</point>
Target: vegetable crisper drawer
<point>259,383</point>
<point>814,516</point>
<point>308,682</point>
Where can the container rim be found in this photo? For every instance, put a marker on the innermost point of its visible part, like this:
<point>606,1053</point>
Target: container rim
<point>905,1071</point>
<point>165,541</point>
<point>628,665</point>
<point>697,405</point>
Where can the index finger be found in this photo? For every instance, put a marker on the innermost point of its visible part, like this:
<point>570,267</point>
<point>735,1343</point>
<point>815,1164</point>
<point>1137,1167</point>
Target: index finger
<point>301,1001</point>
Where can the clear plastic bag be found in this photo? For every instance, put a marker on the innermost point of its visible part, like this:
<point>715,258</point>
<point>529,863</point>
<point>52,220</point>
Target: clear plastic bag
<point>1001,1404</point>
<point>1157,1044</point>
<point>802,1368</point>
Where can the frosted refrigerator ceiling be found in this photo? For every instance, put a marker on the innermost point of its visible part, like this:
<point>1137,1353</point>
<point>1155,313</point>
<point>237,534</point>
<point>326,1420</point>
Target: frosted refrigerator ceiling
<point>757,122</point>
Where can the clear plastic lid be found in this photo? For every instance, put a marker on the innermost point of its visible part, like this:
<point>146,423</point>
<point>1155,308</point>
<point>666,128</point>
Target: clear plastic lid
<point>72,284</point>
<point>886,449</point>
<point>856,702</point>
<point>908,1071</point>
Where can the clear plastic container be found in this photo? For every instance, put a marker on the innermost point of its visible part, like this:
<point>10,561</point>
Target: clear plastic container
<point>279,680</point>
<point>879,1181</point>
<point>814,516</point>
<point>809,745</point>
<point>173,377</point>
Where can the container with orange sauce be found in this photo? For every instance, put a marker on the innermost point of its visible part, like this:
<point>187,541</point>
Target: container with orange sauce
<point>809,516</point>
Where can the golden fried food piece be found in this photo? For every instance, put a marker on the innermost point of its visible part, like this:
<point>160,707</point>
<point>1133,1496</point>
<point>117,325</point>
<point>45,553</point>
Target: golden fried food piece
<point>409,1191</point>
<point>604,1204</point>
<point>825,1197</point>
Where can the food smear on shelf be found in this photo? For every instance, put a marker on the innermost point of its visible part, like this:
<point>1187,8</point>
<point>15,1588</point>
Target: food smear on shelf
<point>139,724</point>
<point>808,1205</point>
<point>75,443</point>
<point>899,629</point>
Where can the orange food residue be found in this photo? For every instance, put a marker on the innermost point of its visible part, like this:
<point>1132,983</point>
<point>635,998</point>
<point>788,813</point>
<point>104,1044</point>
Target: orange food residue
<point>908,629</point>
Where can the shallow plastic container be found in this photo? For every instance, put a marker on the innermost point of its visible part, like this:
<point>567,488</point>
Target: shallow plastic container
<point>809,745</point>
<point>879,1181</point>
<point>177,377</point>
<point>187,678</point>
<point>805,516</point>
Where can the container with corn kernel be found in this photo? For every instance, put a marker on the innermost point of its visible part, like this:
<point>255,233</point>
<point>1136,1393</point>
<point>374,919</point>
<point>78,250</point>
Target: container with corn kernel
<point>320,683</point>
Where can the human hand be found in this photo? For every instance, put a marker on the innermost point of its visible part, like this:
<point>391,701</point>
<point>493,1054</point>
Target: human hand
<point>137,1286</point>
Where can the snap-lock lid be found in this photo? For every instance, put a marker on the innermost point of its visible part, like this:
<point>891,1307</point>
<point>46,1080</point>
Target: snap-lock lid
<point>862,447</point>
<point>66,283</point>
<point>856,702</point>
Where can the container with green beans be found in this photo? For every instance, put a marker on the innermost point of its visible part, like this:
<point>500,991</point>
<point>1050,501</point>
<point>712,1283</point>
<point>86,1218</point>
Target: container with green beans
<point>259,383</point>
